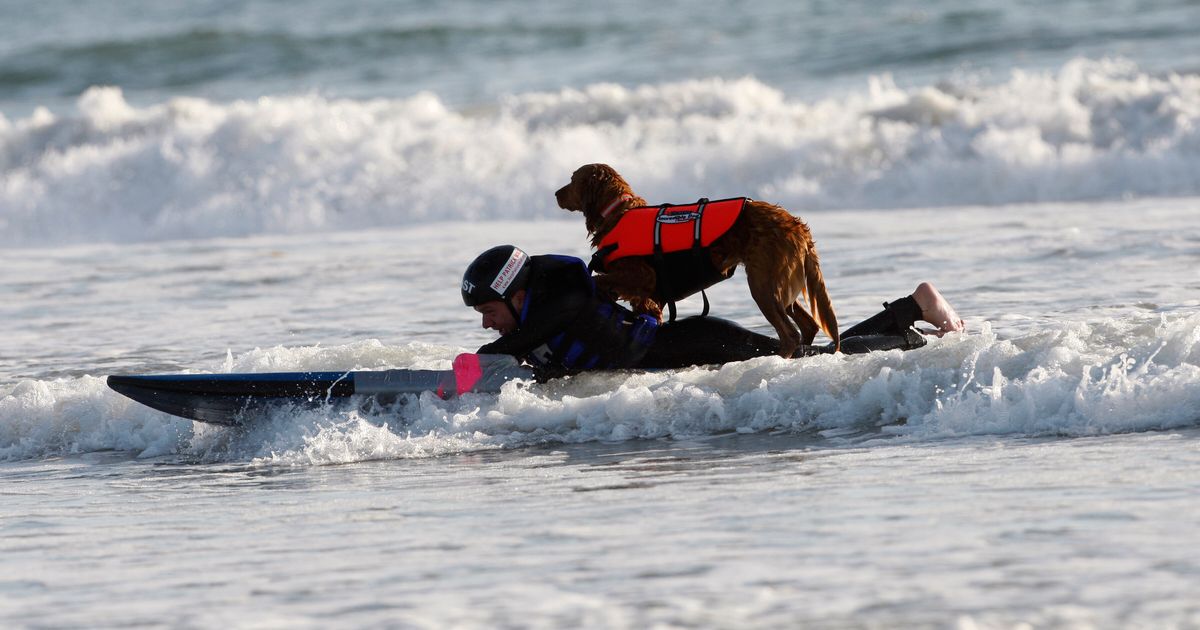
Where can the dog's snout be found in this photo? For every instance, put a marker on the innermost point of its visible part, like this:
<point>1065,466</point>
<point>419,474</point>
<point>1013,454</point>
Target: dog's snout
<point>563,197</point>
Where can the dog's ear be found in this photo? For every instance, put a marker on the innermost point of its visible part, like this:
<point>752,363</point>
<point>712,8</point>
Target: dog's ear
<point>579,195</point>
<point>598,184</point>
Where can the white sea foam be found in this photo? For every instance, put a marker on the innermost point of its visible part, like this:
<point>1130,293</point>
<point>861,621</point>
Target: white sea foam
<point>1116,375</point>
<point>190,167</point>
<point>81,415</point>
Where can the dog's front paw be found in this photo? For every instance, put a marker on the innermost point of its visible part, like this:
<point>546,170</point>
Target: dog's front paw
<point>606,294</point>
<point>647,307</point>
<point>606,288</point>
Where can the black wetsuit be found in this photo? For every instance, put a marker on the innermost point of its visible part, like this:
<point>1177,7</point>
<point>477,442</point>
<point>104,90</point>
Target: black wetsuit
<point>564,326</point>
<point>706,340</point>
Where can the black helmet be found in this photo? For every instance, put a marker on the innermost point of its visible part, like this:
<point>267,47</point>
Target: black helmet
<point>495,274</point>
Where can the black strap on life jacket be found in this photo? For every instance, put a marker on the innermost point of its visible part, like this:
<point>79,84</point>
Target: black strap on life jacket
<point>697,252</point>
<point>597,261</point>
<point>662,282</point>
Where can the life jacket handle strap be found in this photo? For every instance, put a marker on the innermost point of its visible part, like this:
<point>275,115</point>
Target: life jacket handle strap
<point>700,206</point>
<point>659,277</point>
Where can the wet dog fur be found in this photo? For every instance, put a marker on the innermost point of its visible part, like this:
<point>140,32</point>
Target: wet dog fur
<point>775,247</point>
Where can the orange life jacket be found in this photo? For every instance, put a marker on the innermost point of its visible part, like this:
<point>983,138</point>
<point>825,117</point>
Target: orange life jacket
<point>674,239</point>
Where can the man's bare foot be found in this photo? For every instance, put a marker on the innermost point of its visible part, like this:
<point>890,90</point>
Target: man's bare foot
<point>936,310</point>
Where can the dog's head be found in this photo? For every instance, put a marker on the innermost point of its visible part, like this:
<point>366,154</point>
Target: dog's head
<point>598,191</point>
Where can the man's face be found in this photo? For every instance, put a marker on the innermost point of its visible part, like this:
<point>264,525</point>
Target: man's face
<point>497,316</point>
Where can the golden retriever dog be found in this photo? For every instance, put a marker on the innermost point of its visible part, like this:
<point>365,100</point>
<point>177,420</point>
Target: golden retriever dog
<point>776,249</point>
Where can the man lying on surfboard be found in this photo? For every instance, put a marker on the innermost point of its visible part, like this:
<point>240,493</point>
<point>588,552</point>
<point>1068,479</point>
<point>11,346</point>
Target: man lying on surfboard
<point>550,316</point>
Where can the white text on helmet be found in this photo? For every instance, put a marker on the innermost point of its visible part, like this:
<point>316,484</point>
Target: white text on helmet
<point>509,271</point>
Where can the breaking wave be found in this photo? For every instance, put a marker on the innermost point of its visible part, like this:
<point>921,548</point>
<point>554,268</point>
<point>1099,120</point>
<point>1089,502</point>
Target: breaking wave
<point>186,168</point>
<point>1076,379</point>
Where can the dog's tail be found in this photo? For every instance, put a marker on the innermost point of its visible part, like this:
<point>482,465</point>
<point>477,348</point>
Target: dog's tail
<point>818,299</point>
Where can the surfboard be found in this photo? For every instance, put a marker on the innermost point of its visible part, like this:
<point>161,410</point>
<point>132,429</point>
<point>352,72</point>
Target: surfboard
<point>230,399</point>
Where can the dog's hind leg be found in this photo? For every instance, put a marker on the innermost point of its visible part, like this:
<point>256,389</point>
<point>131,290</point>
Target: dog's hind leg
<point>808,326</point>
<point>795,307</point>
<point>766,295</point>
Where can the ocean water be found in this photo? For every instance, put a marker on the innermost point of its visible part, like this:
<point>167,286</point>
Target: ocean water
<point>247,187</point>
